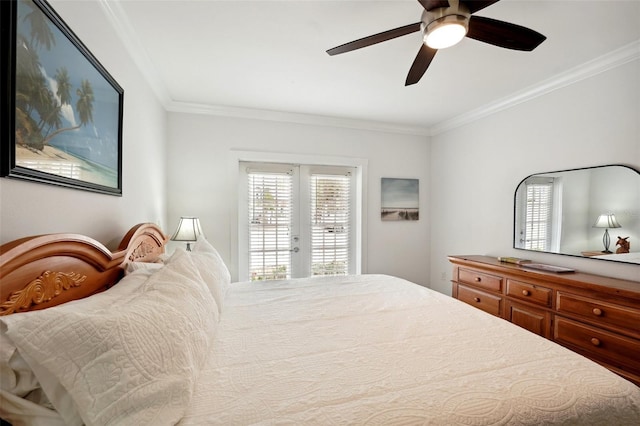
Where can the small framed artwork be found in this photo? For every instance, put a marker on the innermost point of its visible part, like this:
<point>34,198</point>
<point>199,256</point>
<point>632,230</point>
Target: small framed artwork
<point>61,110</point>
<point>400,199</point>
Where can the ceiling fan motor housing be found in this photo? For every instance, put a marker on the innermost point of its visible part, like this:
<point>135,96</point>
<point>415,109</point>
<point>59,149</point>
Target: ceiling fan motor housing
<point>442,16</point>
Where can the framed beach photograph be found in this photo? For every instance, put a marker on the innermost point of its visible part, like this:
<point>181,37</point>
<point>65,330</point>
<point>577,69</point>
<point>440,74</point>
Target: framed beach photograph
<point>61,110</point>
<point>400,199</point>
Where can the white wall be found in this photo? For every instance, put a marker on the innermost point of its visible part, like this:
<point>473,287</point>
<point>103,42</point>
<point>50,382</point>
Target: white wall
<point>200,148</point>
<point>28,208</point>
<point>476,168</point>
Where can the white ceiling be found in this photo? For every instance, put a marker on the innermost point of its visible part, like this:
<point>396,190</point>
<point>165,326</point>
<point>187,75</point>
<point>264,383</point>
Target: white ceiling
<point>268,57</point>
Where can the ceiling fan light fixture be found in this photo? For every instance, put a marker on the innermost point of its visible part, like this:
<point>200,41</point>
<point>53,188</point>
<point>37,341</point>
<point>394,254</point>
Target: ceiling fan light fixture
<point>446,31</point>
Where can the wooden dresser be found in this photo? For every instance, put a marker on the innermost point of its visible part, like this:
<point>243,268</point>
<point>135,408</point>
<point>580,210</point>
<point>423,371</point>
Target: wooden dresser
<point>596,316</point>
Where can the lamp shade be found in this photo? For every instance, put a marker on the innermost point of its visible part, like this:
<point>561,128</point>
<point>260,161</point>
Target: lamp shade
<point>607,220</point>
<point>188,229</point>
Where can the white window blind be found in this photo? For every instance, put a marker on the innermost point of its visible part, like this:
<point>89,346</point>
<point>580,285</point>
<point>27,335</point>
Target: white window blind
<point>270,214</point>
<point>330,224</point>
<point>539,214</point>
<point>298,221</point>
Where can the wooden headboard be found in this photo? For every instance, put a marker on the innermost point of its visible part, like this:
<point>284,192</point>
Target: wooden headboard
<point>48,270</point>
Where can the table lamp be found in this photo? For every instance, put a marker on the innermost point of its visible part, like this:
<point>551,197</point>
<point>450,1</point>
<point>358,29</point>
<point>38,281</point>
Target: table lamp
<point>606,221</point>
<point>188,230</point>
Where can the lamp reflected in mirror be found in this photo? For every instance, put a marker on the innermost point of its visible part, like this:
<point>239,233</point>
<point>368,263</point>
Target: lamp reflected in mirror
<point>606,221</point>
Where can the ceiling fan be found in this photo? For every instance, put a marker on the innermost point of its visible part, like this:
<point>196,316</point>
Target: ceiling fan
<point>446,22</point>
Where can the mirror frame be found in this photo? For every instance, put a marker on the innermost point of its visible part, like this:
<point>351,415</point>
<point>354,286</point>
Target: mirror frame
<point>515,212</point>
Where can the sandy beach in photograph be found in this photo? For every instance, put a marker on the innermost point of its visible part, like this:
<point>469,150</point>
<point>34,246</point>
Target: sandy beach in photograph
<point>57,162</point>
<point>393,214</point>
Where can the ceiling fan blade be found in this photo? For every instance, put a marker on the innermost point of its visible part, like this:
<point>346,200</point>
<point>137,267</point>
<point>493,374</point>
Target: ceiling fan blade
<point>434,4</point>
<point>472,5</point>
<point>420,64</point>
<point>476,5</point>
<point>503,34</point>
<point>375,39</point>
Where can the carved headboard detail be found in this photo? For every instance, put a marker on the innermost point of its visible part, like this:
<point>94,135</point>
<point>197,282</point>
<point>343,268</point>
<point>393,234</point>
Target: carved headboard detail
<point>42,289</point>
<point>48,270</point>
<point>143,243</point>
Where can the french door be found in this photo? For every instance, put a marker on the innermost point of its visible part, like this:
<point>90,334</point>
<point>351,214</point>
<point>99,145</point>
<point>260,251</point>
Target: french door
<point>297,221</point>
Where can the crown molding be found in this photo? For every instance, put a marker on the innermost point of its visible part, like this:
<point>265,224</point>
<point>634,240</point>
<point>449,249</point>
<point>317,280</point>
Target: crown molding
<point>296,118</point>
<point>613,59</point>
<point>123,28</point>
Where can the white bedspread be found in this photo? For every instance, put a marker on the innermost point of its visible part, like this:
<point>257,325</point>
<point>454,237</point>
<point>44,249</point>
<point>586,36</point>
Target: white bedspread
<point>623,257</point>
<point>379,350</point>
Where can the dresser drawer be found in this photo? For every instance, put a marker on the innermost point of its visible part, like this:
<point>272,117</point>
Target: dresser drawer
<point>603,313</point>
<point>481,300</point>
<point>529,292</point>
<point>611,348</point>
<point>534,319</point>
<point>480,279</point>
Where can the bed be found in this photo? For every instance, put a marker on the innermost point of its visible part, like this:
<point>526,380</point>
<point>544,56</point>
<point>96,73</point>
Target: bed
<point>621,257</point>
<point>135,336</point>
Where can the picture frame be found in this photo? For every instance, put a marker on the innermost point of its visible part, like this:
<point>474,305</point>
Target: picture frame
<point>61,110</point>
<point>399,199</point>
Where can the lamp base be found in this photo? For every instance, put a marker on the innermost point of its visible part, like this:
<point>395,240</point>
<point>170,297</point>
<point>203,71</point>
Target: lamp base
<point>606,241</point>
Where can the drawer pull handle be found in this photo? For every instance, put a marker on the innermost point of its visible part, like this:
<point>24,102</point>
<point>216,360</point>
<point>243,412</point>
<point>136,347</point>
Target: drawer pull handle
<point>478,279</point>
<point>595,341</point>
<point>597,312</point>
<point>476,299</point>
<point>526,292</point>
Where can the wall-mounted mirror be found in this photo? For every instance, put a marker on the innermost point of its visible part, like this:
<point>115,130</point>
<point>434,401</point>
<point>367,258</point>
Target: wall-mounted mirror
<point>591,212</point>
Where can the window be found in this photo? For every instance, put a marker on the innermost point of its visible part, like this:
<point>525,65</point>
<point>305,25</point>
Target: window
<point>270,208</point>
<point>299,221</point>
<point>330,224</point>
<point>537,225</point>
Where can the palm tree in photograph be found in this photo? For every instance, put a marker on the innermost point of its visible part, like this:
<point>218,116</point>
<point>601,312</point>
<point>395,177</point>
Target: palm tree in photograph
<point>39,105</point>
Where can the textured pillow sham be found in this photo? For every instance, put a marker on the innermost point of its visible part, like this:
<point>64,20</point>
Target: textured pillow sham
<point>212,269</point>
<point>131,363</point>
<point>27,397</point>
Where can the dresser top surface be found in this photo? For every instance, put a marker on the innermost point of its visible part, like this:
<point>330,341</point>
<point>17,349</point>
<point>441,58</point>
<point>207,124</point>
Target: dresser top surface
<point>626,288</point>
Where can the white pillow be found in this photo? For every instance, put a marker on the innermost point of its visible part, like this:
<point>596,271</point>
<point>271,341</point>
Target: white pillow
<point>23,412</point>
<point>142,267</point>
<point>134,362</point>
<point>212,269</point>
<point>16,376</point>
<point>22,401</point>
<point>21,390</point>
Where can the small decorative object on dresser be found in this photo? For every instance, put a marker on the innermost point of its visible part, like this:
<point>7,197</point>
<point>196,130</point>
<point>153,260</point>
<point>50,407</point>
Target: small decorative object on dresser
<point>548,268</point>
<point>515,260</point>
<point>624,244</point>
<point>596,316</point>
